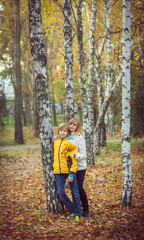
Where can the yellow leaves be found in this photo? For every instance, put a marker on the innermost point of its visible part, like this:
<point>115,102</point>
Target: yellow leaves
<point>23,202</point>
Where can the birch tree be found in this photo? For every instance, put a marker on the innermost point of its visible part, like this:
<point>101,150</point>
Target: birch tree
<point>100,98</point>
<point>92,26</point>
<point>18,80</point>
<point>83,80</point>
<point>126,160</point>
<point>97,130</point>
<point>69,102</point>
<point>109,68</point>
<point>43,104</point>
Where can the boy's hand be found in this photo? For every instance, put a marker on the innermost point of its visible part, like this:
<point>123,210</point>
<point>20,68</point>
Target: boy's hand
<point>69,179</point>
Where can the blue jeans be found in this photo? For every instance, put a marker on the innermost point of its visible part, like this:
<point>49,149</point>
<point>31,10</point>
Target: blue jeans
<point>74,207</point>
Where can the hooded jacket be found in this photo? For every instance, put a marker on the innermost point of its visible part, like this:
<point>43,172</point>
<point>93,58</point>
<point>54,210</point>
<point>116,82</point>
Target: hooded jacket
<point>63,149</point>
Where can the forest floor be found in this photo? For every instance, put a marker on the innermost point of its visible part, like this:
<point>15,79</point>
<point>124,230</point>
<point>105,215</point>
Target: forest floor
<point>23,212</point>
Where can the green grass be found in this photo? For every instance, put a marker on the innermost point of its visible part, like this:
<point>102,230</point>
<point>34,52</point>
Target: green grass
<point>115,146</point>
<point>9,121</point>
<point>137,143</point>
<point>11,155</point>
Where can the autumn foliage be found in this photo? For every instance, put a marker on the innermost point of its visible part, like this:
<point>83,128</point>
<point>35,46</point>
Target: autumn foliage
<point>24,215</point>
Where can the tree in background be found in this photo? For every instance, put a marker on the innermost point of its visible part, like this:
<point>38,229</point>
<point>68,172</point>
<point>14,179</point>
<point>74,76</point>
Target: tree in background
<point>92,28</point>
<point>69,99</point>
<point>109,65</point>
<point>38,52</point>
<point>3,109</point>
<point>126,159</point>
<point>83,87</point>
<point>18,80</point>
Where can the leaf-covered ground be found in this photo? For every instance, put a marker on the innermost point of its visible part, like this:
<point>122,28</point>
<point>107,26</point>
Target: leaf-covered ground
<point>23,213</point>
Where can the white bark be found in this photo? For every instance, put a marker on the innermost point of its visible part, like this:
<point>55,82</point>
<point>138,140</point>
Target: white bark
<point>109,68</point>
<point>100,90</point>
<point>126,160</point>
<point>92,25</point>
<point>101,116</point>
<point>83,81</point>
<point>100,99</point>
<point>43,104</point>
<point>69,102</point>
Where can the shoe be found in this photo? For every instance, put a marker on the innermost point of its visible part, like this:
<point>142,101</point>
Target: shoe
<point>77,218</point>
<point>85,213</point>
<point>70,216</point>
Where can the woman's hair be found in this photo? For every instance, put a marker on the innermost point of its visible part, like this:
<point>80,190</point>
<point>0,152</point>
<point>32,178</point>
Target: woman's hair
<point>75,120</point>
<point>62,126</point>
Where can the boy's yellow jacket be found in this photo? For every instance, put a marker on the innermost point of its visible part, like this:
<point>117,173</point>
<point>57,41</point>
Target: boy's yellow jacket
<point>62,149</point>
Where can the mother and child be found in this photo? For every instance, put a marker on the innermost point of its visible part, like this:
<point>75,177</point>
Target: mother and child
<point>70,165</point>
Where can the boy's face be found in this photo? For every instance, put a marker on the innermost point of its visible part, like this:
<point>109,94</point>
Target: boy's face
<point>63,133</point>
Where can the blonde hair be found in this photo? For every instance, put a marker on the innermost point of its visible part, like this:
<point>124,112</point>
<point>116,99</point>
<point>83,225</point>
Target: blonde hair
<point>62,126</point>
<point>75,120</point>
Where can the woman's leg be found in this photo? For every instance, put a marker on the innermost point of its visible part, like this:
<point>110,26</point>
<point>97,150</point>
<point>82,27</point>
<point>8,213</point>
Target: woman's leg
<point>75,196</point>
<point>80,180</point>
<point>60,182</point>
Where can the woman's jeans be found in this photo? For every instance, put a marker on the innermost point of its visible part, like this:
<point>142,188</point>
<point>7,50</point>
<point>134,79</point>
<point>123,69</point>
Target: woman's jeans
<point>74,207</point>
<point>83,197</point>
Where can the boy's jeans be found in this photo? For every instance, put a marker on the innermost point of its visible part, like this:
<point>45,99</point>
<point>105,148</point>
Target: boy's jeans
<point>74,207</point>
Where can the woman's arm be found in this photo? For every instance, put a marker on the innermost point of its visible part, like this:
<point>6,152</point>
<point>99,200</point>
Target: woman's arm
<point>81,149</point>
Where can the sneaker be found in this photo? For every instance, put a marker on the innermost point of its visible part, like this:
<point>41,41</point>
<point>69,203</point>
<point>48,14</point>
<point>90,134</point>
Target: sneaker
<point>85,213</point>
<point>77,218</point>
<point>70,216</point>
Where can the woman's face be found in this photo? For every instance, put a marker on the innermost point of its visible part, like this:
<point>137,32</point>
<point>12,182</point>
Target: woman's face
<point>73,126</point>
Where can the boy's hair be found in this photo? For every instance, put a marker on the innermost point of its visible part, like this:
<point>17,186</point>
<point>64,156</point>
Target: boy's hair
<point>75,120</point>
<point>62,126</point>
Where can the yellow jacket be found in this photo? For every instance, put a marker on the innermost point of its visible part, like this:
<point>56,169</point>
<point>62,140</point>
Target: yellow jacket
<point>63,148</point>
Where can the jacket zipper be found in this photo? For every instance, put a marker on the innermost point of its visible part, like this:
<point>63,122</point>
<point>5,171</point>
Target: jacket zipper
<point>59,155</point>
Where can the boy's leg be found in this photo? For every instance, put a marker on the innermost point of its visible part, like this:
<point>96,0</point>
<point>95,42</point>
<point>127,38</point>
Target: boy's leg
<point>75,196</point>
<point>60,182</point>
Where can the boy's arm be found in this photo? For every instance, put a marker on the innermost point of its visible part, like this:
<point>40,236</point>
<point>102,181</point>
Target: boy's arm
<point>70,177</point>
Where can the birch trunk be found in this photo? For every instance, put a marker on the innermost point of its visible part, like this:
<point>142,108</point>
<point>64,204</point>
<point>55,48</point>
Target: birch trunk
<point>92,25</point>
<point>126,160</point>
<point>43,104</point>
<point>97,130</point>
<point>109,68</point>
<point>102,134</point>
<point>69,102</point>
<point>18,80</point>
<point>83,81</point>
